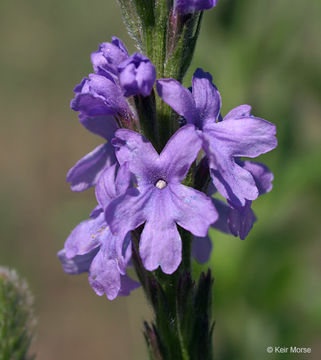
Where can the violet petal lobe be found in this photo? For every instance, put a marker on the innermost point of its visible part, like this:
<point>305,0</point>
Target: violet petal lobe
<point>127,285</point>
<point>110,186</point>
<point>127,212</point>
<point>201,248</point>
<point>247,136</point>
<point>176,162</point>
<point>109,56</point>
<point>135,149</point>
<point>160,243</point>
<point>77,264</point>
<point>85,237</point>
<point>238,112</point>
<point>104,126</point>
<point>97,96</point>
<point>177,97</point>
<point>262,175</point>
<point>85,173</point>
<point>207,97</point>
<point>193,210</point>
<point>241,220</point>
<point>105,189</point>
<point>145,77</point>
<point>104,276</point>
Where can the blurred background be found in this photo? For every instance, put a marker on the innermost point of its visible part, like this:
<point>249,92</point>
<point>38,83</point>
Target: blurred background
<point>267,290</point>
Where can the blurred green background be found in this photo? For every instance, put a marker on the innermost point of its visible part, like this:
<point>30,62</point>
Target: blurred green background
<point>267,289</point>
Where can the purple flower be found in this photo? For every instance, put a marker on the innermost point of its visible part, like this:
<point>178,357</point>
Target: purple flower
<point>92,248</point>
<point>190,6</point>
<point>239,134</point>
<point>160,200</point>
<point>137,75</point>
<point>241,218</point>
<point>99,99</point>
<point>86,172</point>
<point>237,221</point>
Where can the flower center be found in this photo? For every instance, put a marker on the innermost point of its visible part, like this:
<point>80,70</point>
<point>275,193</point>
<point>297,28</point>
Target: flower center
<point>161,184</point>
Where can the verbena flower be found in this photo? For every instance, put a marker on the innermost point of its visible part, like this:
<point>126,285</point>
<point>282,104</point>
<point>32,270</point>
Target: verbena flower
<point>190,6</point>
<point>100,100</point>
<point>238,134</point>
<point>237,221</point>
<point>91,247</point>
<point>160,200</point>
<point>241,218</point>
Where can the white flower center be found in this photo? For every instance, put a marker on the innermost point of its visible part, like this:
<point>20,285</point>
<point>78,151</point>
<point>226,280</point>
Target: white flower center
<point>161,184</point>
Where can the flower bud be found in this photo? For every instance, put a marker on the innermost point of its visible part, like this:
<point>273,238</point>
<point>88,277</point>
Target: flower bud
<point>137,75</point>
<point>190,6</point>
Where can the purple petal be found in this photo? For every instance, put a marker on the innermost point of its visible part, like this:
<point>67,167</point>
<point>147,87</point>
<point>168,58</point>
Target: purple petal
<point>85,237</point>
<point>77,264</point>
<point>135,149</point>
<point>91,105</point>
<point>102,86</point>
<point>86,171</point>
<point>96,212</point>
<point>99,95</point>
<point>127,80</point>
<point>114,53</point>
<point>192,209</point>
<point>123,179</point>
<point>109,186</point>
<point>241,220</point>
<point>105,188</point>
<point>108,268</point>
<point>127,285</point>
<point>201,249</point>
<point>99,61</point>
<point>117,42</point>
<point>180,152</point>
<point>104,276</point>
<point>160,243</point>
<point>247,136</point>
<point>233,182</point>
<point>179,98</point>
<point>232,138</point>
<point>223,210</point>
<point>108,57</point>
<point>206,96</point>
<point>145,77</point>
<point>104,126</point>
<point>262,175</point>
<point>127,211</point>
<point>238,112</point>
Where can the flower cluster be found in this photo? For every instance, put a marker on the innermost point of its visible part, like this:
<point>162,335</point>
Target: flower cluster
<point>153,194</point>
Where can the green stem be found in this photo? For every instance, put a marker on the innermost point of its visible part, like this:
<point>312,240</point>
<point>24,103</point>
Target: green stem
<point>185,354</point>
